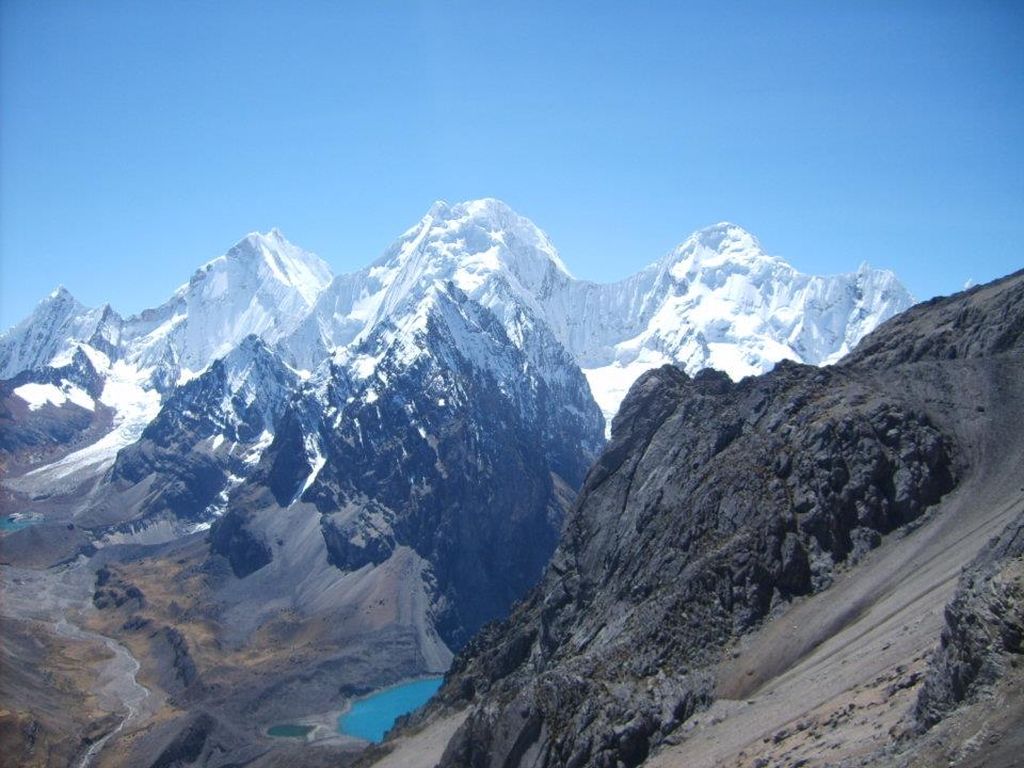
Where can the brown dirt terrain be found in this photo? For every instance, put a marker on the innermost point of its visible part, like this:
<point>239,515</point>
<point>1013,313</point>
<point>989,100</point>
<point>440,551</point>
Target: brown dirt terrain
<point>49,708</point>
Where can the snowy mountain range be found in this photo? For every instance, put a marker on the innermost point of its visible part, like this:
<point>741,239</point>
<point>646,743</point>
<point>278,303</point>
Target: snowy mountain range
<point>717,300</point>
<point>470,287</point>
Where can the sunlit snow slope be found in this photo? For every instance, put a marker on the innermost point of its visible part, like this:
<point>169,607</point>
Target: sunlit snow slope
<point>717,300</point>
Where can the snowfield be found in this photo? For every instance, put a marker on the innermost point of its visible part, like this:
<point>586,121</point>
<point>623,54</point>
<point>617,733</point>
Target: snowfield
<point>717,300</point>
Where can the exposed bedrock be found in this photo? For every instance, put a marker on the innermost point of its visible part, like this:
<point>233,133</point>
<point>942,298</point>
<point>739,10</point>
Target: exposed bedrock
<point>984,633</point>
<point>716,504</point>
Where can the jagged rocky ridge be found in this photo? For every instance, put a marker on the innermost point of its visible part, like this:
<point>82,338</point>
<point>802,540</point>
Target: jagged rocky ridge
<point>208,434</point>
<point>714,505</point>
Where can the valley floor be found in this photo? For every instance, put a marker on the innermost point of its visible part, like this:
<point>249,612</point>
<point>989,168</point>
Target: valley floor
<point>42,616</point>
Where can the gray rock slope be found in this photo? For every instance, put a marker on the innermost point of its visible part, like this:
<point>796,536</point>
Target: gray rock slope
<point>715,505</point>
<point>984,633</point>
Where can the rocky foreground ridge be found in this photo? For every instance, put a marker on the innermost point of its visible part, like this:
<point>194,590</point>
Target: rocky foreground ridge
<point>740,540</point>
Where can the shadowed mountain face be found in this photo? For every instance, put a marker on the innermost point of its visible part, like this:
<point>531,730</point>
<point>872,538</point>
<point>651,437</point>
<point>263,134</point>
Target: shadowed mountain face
<point>718,505</point>
<point>45,412</point>
<point>455,446</point>
<point>201,442</point>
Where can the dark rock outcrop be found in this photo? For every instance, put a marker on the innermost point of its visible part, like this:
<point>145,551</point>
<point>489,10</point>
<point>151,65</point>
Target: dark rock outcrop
<point>171,649</point>
<point>29,435</point>
<point>715,504</point>
<point>245,549</point>
<point>984,631</point>
<point>188,745</point>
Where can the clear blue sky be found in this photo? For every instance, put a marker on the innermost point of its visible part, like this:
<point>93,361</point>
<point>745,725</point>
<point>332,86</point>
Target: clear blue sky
<point>141,139</point>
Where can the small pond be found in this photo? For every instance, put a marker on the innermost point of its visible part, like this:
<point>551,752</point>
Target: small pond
<point>371,716</point>
<point>289,731</point>
<point>17,521</point>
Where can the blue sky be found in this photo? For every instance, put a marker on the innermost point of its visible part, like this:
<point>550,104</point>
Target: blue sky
<point>139,140</point>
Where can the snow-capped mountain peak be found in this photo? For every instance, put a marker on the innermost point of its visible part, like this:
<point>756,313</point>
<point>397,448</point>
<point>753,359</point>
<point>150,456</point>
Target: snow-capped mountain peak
<point>467,241</point>
<point>483,247</point>
<point>271,254</point>
<point>719,300</point>
<point>60,293</point>
<point>726,237</point>
<point>720,245</point>
<point>55,326</point>
<point>263,285</point>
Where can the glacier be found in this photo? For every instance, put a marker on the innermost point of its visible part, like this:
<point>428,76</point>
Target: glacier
<point>717,300</point>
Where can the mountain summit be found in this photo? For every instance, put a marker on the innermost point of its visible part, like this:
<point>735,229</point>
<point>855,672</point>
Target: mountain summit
<point>717,300</point>
<point>263,285</point>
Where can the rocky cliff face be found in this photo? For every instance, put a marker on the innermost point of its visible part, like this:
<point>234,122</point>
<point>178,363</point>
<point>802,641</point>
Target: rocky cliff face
<point>984,633</point>
<point>713,507</point>
<point>453,443</point>
<point>47,411</point>
<point>208,436</point>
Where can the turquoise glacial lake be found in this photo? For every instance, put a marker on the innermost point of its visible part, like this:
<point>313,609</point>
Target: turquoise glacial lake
<point>15,522</point>
<point>371,716</point>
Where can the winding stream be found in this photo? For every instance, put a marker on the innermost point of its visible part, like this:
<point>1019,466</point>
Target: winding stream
<point>50,596</point>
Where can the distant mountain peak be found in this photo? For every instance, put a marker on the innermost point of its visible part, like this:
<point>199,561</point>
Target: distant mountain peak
<point>487,223</point>
<point>719,243</point>
<point>726,235</point>
<point>468,240</point>
<point>60,299</point>
<point>61,293</point>
<point>438,208</point>
<point>485,207</point>
<point>56,323</point>
<point>272,238</point>
<point>482,207</point>
<point>270,257</point>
